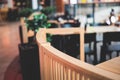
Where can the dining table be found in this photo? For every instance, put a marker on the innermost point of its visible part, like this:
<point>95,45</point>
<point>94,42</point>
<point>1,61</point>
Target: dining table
<point>102,29</point>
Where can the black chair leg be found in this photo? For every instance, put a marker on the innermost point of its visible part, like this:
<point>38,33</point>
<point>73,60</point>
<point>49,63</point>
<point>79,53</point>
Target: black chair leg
<point>117,53</point>
<point>110,55</point>
<point>85,57</point>
<point>103,54</point>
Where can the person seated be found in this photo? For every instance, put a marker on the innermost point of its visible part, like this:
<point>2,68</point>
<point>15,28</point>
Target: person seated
<point>112,18</point>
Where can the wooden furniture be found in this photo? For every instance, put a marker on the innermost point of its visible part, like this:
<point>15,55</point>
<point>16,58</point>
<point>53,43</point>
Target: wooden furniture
<point>102,29</point>
<point>55,65</point>
<point>112,65</point>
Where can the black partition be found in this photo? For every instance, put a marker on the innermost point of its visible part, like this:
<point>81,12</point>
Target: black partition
<point>29,60</point>
<point>70,44</point>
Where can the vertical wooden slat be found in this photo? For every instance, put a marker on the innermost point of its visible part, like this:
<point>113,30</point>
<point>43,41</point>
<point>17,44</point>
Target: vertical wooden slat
<point>80,76</point>
<point>58,71</point>
<point>51,69</point>
<point>64,72</point>
<point>69,74</point>
<point>47,67</point>
<point>54,71</point>
<point>73,75</point>
<point>77,76</point>
<point>41,55</point>
<point>45,71</point>
<point>61,73</point>
<point>85,76</point>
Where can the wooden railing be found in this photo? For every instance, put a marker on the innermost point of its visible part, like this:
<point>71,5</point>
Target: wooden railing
<point>56,65</point>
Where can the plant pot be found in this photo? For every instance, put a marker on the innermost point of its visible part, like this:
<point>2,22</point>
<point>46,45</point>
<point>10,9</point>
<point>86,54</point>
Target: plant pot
<point>29,60</point>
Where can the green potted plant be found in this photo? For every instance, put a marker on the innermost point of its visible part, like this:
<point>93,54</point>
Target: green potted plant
<point>25,12</point>
<point>48,11</point>
<point>29,52</point>
<point>38,21</point>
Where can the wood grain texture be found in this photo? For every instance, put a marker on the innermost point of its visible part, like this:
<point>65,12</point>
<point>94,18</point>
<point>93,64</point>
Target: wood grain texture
<point>112,65</point>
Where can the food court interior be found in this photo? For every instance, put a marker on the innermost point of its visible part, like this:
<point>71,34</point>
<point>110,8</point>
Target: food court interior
<point>21,55</point>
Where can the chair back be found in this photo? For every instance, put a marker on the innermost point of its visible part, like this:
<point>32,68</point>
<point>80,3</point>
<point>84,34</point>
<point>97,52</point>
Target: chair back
<point>91,48</point>
<point>66,25</point>
<point>111,36</point>
<point>90,37</point>
<point>54,25</point>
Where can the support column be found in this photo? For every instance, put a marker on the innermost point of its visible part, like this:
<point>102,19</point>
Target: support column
<point>60,6</point>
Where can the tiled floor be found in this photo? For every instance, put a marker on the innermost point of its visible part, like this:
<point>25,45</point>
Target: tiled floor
<point>9,40</point>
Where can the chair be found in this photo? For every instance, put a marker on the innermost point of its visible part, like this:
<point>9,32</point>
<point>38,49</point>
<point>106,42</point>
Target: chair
<point>70,24</point>
<point>109,45</point>
<point>90,46</point>
<point>54,25</point>
<point>67,25</point>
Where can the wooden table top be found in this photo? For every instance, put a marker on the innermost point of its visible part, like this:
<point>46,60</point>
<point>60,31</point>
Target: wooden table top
<point>102,29</point>
<point>112,65</point>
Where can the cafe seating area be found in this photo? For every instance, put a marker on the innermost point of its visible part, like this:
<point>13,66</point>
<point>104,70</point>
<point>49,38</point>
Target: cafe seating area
<point>59,40</point>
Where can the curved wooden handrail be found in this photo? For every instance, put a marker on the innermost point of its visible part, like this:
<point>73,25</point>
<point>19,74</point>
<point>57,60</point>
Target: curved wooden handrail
<point>55,65</point>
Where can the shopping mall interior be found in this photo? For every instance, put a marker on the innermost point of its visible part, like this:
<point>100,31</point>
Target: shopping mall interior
<point>59,39</point>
